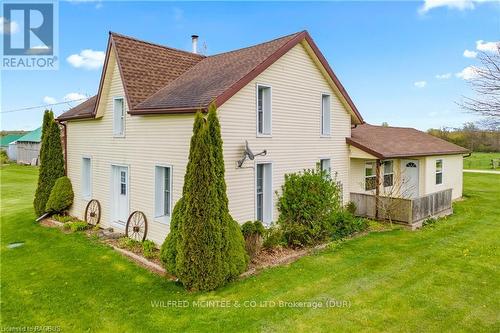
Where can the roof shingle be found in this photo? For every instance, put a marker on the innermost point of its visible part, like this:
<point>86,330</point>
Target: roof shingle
<point>147,67</point>
<point>390,142</point>
<point>159,79</point>
<point>211,77</point>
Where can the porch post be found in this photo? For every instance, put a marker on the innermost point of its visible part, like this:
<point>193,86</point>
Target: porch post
<point>377,187</point>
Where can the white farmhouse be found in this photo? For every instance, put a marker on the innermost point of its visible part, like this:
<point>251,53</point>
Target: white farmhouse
<point>128,146</point>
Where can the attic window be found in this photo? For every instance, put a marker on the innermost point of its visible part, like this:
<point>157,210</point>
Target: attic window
<point>118,117</point>
<point>263,110</point>
<point>325,115</point>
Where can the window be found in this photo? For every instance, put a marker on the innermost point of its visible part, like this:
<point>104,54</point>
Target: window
<point>263,193</point>
<point>263,110</point>
<point>123,183</point>
<point>163,192</point>
<point>118,117</point>
<point>439,172</point>
<point>86,178</point>
<point>388,173</point>
<point>325,165</point>
<point>325,114</point>
<point>370,177</point>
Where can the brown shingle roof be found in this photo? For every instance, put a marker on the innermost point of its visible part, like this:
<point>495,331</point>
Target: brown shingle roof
<point>159,79</point>
<point>146,67</point>
<point>211,77</point>
<point>81,111</point>
<point>389,142</point>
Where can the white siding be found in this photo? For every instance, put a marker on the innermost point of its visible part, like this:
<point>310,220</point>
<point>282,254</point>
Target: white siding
<point>148,141</point>
<point>295,144</point>
<point>452,174</point>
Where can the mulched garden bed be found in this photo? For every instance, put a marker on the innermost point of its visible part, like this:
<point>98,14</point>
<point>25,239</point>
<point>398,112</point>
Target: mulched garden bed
<point>266,258</point>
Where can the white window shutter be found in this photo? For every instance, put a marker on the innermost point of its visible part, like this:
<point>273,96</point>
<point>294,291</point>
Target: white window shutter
<point>268,193</point>
<point>267,110</point>
<point>159,181</point>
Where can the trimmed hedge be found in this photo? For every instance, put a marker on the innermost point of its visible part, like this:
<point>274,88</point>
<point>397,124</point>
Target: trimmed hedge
<point>235,259</point>
<point>51,162</point>
<point>199,263</point>
<point>205,247</point>
<point>61,196</point>
<point>168,252</point>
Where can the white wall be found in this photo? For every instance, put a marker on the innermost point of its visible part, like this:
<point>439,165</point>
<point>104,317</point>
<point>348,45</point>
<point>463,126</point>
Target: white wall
<point>452,174</point>
<point>295,144</point>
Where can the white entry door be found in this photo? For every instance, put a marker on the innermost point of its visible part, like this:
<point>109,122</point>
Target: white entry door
<point>119,194</point>
<point>410,178</point>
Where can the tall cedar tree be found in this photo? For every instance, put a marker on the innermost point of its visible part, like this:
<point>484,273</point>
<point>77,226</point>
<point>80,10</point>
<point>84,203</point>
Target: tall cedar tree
<point>169,249</point>
<point>233,244</point>
<point>51,162</point>
<point>199,264</point>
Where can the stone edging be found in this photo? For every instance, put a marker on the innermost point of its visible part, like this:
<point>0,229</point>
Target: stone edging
<point>154,267</point>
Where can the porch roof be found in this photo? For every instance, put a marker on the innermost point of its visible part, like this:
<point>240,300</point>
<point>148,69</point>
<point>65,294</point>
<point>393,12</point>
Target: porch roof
<point>390,142</point>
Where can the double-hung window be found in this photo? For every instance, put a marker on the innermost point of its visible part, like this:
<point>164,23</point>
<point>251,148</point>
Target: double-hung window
<point>118,116</point>
<point>325,164</point>
<point>163,193</point>
<point>263,110</point>
<point>370,176</point>
<point>263,193</point>
<point>86,178</point>
<point>388,173</point>
<point>325,115</point>
<point>439,172</point>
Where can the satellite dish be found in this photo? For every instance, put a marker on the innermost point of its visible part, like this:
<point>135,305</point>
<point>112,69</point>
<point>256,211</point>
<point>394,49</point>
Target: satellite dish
<point>249,154</point>
<point>248,151</point>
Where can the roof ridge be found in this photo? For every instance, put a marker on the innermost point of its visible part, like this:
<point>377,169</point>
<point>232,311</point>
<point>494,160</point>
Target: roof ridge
<point>258,44</point>
<point>211,57</point>
<point>112,33</point>
<point>402,127</point>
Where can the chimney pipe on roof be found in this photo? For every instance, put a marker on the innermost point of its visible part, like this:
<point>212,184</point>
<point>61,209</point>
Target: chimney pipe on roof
<point>194,39</point>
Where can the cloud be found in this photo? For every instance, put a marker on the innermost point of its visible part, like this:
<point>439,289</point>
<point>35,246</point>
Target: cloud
<point>87,59</point>
<point>7,27</point>
<point>467,73</point>
<point>451,4</point>
<point>73,96</point>
<point>481,45</point>
<point>178,14</point>
<point>49,100</point>
<point>470,54</point>
<point>444,76</point>
<point>420,84</point>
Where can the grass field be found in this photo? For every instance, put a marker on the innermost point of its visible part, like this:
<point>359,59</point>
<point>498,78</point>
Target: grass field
<point>440,279</point>
<point>480,161</point>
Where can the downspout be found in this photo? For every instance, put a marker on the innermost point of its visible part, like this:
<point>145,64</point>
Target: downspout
<point>65,147</point>
<point>377,187</point>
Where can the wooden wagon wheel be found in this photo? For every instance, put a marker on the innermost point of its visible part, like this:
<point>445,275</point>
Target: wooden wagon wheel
<point>137,226</point>
<point>93,212</point>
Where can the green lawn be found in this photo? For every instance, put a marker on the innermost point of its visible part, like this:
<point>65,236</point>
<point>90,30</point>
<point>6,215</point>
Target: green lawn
<point>444,278</point>
<point>480,161</point>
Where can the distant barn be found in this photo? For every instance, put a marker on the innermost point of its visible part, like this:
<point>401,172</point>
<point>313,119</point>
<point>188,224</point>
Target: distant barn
<point>28,147</point>
<point>7,143</point>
